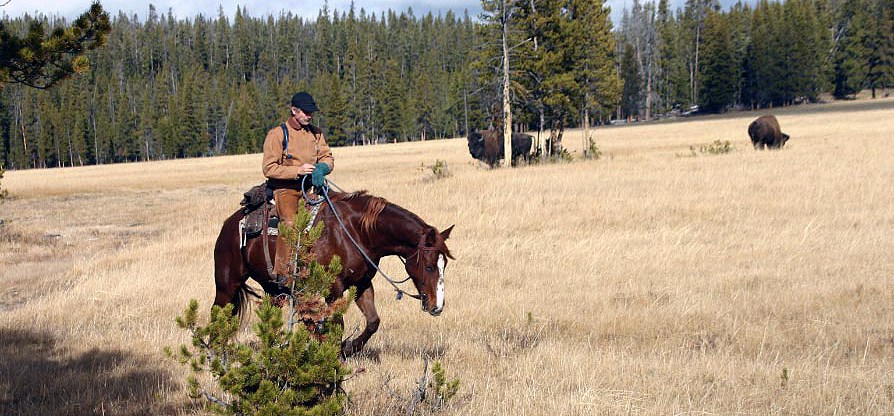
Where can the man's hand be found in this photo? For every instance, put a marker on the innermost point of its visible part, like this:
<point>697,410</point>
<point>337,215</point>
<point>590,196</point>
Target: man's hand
<point>319,174</point>
<point>306,169</point>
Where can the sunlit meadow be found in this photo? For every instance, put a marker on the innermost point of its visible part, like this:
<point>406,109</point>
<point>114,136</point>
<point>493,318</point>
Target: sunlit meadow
<point>660,279</point>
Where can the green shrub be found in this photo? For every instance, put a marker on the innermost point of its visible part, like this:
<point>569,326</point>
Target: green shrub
<point>285,369</point>
<point>439,170</point>
<point>3,192</point>
<point>433,393</point>
<point>717,148</point>
<point>592,151</point>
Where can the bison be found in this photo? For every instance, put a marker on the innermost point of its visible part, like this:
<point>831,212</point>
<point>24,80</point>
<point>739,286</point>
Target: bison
<point>487,146</point>
<point>765,132</point>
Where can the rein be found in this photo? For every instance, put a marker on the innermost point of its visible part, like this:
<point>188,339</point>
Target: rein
<point>325,197</point>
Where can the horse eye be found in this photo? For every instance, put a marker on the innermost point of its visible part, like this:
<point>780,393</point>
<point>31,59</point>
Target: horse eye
<point>429,268</point>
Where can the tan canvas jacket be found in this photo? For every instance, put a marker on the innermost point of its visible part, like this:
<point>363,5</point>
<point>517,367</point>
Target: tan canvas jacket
<point>304,147</point>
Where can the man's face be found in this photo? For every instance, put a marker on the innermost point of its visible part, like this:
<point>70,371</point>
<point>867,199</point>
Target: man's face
<point>302,117</point>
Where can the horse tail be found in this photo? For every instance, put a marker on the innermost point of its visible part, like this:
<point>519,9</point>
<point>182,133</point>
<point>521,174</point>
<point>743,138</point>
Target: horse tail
<point>241,298</point>
<point>230,271</point>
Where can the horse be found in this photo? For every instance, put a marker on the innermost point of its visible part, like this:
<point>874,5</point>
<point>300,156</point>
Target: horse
<point>363,230</point>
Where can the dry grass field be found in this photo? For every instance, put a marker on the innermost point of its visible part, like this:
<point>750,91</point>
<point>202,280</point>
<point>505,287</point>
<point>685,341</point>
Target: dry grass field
<point>650,282</point>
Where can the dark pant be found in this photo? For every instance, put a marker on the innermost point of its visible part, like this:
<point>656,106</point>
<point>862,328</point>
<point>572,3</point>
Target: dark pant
<point>287,201</point>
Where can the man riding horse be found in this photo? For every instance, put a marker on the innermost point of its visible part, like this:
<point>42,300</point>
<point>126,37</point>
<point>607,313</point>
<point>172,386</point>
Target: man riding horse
<point>360,230</point>
<point>291,151</point>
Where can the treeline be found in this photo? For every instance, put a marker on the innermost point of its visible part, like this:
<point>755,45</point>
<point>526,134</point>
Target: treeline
<point>165,88</point>
<point>771,54</point>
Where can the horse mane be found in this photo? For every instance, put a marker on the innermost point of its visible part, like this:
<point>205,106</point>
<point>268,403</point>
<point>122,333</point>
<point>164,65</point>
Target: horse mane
<point>374,206</point>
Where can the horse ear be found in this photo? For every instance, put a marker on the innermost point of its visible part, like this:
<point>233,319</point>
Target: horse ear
<point>446,233</point>
<point>430,238</point>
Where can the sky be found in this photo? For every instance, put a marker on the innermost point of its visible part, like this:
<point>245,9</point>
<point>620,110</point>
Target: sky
<point>257,8</point>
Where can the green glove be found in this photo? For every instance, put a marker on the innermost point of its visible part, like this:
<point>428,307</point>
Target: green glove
<point>318,176</point>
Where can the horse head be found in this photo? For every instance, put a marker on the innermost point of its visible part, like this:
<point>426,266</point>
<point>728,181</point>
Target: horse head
<point>426,268</point>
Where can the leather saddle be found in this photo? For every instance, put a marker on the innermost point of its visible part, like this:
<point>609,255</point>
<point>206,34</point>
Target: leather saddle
<point>257,208</point>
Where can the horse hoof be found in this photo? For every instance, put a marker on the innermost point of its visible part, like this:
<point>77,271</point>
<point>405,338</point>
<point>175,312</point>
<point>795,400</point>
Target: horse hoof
<point>348,348</point>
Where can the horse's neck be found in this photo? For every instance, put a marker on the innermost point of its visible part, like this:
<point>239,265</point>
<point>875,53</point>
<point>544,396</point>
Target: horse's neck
<point>398,231</point>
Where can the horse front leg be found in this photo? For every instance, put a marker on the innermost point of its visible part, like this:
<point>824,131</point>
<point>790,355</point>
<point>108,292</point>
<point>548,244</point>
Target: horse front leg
<point>366,302</point>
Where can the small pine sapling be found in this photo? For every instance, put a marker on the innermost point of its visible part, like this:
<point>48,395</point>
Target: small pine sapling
<point>285,368</point>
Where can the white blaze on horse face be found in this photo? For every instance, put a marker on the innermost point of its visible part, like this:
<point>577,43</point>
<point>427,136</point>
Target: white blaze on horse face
<point>442,262</point>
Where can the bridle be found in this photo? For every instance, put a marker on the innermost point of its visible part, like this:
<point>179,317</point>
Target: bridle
<point>324,190</point>
<point>419,250</point>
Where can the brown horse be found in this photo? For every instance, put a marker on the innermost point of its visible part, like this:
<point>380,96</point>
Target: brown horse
<point>363,229</point>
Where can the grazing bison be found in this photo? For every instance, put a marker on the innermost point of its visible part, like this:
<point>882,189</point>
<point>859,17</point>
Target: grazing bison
<point>765,132</point>
<point>487,146</point>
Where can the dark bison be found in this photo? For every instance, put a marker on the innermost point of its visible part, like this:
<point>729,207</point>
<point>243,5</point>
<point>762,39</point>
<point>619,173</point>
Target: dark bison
<point>487,146</point>
<point>765,131</point>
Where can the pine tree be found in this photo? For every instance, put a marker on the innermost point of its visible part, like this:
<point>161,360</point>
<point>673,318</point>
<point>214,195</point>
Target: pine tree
<point>674,85</point>
<point>335,114</point>
<point>39,60</point>
<point>355,82</point>
<point>137,93</point>
<point>51,127</point>
<point>245,132</point>
<point>497,63</point>
<point>640,30</point>
<point>555,30</point>
<point>391,91</point>
<point>424,100</point>
<point>663,23</point>
<point>805,55</point>
<point>73,108</point>
<point>293,365</point>
<point>767,57</point>
<point>850,70</point>
<point>880,46</point>
<point>693,21</point>
<point>191,121</point>
<point>632,90</point>
<point>595,60</point>
<point>720,70</point>
<point>126,148</point>
<point>738,19</point>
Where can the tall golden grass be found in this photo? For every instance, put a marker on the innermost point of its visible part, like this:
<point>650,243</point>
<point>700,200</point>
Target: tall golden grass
<point>656,280</point>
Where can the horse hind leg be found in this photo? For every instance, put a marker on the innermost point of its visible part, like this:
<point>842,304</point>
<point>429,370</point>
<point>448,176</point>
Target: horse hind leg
<point>235,291</point>
<point>230,281</point>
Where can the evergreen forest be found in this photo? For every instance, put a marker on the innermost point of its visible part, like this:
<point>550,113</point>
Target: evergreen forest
<point>164,87</point>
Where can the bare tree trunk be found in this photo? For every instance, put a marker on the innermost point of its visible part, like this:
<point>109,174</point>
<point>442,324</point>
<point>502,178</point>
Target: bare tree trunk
<point>95,139</point>
<point>649,92</point>
<point>60,158</point>
<point>25,141</point>
<point>507,110</point>
<point>586,140</point>
<point>540,135</point>
<point>693,72</point>
<point>71,161</point>
<point>466,110</point>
